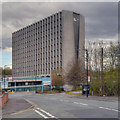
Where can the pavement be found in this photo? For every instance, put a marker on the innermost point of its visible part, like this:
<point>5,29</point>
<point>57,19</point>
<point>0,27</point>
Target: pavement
<point>31,105</point>
<point>98,98</point>
<point>15,105</point>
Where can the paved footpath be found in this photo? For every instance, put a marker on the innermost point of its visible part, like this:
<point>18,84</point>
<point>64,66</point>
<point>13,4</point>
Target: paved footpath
<point>15,105</point>
<point>98,98</point>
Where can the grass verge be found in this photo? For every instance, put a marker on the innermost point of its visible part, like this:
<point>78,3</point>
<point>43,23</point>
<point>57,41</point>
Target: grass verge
<point>73,93</point>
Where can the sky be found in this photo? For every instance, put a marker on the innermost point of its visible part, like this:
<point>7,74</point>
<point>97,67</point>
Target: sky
<point>101,20</point>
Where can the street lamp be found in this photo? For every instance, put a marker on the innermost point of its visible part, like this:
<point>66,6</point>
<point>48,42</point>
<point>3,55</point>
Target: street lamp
<point>86,50</point>
<point>87,70</point>
<point>16,81</point>
<point>35,75</point>
<point>4,74</point>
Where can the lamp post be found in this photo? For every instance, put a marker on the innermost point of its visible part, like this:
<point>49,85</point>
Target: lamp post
<point>102,71</point>
<point>4,75</point>
<point>86,50</point>
<point>87,70</point>
<point>35,75</point>
<point>16,81</point>
<point>102,47</point>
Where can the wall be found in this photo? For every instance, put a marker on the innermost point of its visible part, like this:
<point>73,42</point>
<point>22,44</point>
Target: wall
<point>3,99</point>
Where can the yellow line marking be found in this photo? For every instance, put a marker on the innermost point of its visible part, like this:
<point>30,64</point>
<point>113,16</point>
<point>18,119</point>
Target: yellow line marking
<point>22,111</point>
<point>30,108</point>
<point>31,102</point>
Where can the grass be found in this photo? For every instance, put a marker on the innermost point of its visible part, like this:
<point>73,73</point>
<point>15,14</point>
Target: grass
<point>72,93</point>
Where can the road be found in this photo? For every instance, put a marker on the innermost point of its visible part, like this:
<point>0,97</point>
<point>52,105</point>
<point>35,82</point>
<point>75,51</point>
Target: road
<point>59,106</point>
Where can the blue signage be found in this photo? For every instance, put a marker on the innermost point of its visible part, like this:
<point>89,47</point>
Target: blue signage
<point>4,84</point>
<point>46,82</point>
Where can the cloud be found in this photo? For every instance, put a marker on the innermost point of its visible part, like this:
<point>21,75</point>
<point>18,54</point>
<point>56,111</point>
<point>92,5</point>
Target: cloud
<point>59,0</point>
<point>7,50</point>
<point>100,18</point>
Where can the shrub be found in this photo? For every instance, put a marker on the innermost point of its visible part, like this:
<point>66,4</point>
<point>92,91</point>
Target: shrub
<point>0,90</point>
<point>58,89</point>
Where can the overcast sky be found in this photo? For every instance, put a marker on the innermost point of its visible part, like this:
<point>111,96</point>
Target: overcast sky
<point>101,19</point>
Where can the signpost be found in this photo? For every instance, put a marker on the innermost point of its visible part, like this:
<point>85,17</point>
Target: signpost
<point>88,78</point>
<point>4,85</point>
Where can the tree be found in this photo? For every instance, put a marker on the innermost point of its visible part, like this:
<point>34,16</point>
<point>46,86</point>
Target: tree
<point>6,71</point>
<point>76,74</point>
<point>111,82</point>
<point>108,63</point>
<point>111,70</point>
<point>57,78</point>
<point>1,71</point>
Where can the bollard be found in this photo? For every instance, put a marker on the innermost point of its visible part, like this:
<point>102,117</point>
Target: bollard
<point>6,97</point>
<point>3,101</point>
<point>3,92</point>
<point>12,91</point>
<point>27,90</point>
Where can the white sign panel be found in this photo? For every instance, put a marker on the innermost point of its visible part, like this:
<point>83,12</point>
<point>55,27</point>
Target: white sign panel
<point>46,82</point>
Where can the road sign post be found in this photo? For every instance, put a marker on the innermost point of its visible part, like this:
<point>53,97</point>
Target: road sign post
<point>42,87</point>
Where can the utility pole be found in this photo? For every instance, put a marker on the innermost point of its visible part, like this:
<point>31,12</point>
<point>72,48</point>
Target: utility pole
<point>4,74</point>
<point>87,70</point>
<point>35,79</point>
<point>4,78</point>
<point>86,51</point>
<point>102,71</point>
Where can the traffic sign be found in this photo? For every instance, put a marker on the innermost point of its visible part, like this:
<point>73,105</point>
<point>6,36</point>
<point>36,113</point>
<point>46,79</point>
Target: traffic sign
<point>4,84</point>
<point>46,82</point>
<point>88,78</point>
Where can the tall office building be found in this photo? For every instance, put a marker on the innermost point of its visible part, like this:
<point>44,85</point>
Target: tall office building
<point>52,42</point>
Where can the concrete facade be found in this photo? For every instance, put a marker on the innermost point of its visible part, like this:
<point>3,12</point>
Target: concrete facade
<point>52,42</point>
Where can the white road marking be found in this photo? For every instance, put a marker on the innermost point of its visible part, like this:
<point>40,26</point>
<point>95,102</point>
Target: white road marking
<point>100,107</point>
<point>83,104</point>
<point>109,109</point>
<point>66,100</point>
<point>80,103</point>
<point>115,110</point>
<point>46,113</point>
<point>75,102</point>
<point>40,113</point>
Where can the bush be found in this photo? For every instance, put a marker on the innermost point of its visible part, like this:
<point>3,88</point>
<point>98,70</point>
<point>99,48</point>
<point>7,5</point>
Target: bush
<point>0,90</point>
<point>110,84</point>
<point>57,78</point>
<point>95,86</point>
<point>54,90</point>
<point>58,89</point>
<point>79,88</point>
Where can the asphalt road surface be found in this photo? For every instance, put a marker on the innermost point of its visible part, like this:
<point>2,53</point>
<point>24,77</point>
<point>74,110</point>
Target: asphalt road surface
<point>58,106</point>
